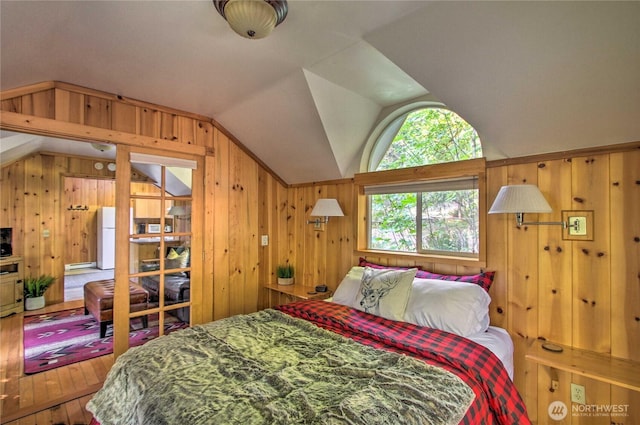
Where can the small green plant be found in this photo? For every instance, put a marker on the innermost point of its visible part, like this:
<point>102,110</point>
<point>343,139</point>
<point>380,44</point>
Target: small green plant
<point>36,286</point>
<point>285,272</point>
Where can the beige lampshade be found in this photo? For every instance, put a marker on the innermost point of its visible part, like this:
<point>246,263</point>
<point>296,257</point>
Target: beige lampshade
<point>327,208</point>
<point>522,198</point>
<point>251,18</point>
<point>180,210</point>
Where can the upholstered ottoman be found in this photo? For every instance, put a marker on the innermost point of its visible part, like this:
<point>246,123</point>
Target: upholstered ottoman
<point>98,300</point>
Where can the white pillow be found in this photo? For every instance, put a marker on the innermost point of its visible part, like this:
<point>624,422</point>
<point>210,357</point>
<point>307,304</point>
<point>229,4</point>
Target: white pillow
<point>458,307</point>
<point>348,289</point>
<point>384,292</point>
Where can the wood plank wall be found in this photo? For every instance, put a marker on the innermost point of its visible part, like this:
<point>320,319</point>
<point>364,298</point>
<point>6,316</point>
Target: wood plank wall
<point>580,293</point>
<point>243,200</point>
<point>36,192</point>
<point>583,294</point>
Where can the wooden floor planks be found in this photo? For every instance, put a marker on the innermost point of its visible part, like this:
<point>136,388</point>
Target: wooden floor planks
<point>57,396</point>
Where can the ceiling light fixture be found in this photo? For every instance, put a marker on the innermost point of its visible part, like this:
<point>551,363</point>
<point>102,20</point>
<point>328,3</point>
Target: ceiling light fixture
<point>252,18</point>
<point>100,147</point>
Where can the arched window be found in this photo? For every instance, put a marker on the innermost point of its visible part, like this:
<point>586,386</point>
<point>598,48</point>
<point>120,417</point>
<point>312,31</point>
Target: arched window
<point>437,214</point>
<point>425,136</point>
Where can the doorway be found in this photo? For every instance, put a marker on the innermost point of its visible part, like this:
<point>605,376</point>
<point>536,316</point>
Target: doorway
<point>82,199</point>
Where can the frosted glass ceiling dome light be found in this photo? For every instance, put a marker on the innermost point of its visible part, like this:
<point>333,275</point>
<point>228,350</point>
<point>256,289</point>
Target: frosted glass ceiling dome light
<point>252,18</point>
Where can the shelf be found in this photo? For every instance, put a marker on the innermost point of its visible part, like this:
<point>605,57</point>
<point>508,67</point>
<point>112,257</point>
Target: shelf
<point>299,291</point>
<point>598,366</point>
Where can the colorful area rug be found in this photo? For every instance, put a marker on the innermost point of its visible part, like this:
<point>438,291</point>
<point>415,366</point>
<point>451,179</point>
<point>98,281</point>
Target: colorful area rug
<point>65,337</point>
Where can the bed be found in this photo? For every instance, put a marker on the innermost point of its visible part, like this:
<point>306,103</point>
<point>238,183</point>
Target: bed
<point>324,362</point>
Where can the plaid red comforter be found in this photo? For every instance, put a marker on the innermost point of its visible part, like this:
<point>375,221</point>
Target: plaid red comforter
<point>497,400</point>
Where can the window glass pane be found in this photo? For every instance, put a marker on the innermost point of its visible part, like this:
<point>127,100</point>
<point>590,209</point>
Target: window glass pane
<point>450,221</point>
<point>176,319</point>
<point>178,181</point>
<point>393,222</point>
<point>430,216</point>
<point>144,254</point>
<point>431,136</point>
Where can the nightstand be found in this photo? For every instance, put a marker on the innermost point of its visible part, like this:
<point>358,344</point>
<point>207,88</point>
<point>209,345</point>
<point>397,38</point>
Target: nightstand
<point>282,294</point>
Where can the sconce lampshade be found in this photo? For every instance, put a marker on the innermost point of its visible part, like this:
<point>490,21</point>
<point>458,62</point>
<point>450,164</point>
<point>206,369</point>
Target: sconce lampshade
<point>522,198</point>
<point>180,210</point>
<point>327,208</point>
<point>252,18</point>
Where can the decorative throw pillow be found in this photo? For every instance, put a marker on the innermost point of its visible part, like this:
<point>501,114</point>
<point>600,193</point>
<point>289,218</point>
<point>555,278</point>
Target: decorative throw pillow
<point>384,292</point>
<point>484,279</point>
<point>348,289</point>
<point>177,260</point>
<point>457,307</point>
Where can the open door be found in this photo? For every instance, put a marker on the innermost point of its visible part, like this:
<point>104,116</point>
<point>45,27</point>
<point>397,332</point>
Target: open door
<point>160,254</point>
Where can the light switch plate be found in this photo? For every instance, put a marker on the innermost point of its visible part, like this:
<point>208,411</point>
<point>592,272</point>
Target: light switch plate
<point>580,224</point>
<point>584,232</point>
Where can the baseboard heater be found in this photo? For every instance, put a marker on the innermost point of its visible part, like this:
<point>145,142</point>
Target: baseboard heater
<point>75,266</point>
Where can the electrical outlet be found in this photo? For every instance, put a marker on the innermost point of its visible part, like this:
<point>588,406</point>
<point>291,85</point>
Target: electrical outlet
<point>578,394</point>
<point>265,240</point>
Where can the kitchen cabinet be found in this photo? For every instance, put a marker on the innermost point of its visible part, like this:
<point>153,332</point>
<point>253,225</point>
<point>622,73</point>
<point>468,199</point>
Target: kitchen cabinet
<point>149,208</point>
<point>11,286</point>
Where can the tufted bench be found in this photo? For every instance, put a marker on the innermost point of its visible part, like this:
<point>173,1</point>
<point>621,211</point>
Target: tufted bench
<point>98,300</point>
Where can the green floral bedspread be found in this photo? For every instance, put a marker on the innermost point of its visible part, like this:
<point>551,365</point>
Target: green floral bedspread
<point>269,368</point>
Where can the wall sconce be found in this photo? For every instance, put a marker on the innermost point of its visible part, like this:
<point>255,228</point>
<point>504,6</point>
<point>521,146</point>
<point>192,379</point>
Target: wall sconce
<point>325,208</point>
<point>527,198</point>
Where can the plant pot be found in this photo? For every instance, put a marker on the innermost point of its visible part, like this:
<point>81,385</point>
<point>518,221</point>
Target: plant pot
<point>285,281</point>
<point>34,303</point>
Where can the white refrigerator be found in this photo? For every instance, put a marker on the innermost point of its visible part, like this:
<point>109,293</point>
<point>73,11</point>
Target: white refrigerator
<point>106,238</point>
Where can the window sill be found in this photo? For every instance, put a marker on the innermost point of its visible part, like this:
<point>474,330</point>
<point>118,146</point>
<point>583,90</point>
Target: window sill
<point>423,258</point>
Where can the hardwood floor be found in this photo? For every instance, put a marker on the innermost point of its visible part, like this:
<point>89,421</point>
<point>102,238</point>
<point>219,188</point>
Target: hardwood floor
<point>57,396</point>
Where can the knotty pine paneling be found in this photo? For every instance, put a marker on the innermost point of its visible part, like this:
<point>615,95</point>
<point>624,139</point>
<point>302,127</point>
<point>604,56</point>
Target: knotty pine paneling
<point>497,248</point>
<point>36,193</point>
<point>522,288</point>
<point>556,259</point>
<point>69,106</point>
<point>624,183</point>
<point>124,117</point>
<point>221,246</point>
<point>591,259</point>
<point>208,227</point>
<point>40,104</point>
<point>97,112</point>
<point>68,103</point>
<point>149,122</point>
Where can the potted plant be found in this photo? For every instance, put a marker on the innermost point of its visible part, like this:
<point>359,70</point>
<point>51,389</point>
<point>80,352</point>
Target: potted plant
<point>34,289</point>
<point>285,275</point>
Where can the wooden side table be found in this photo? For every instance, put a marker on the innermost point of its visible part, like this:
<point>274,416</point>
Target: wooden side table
<point>283,294</point>
<point>11,286</point>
